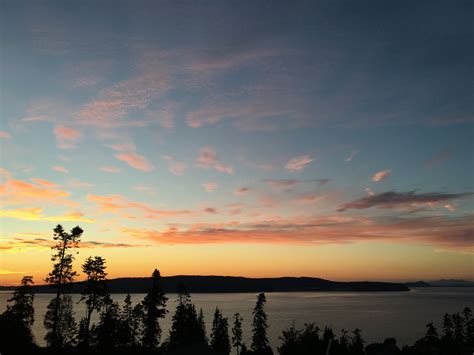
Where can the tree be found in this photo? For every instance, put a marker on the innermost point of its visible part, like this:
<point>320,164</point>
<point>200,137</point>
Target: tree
<point>22,308</point>
<point>458,328</point>
<point>153,308</point>
<point>220,333</point>
<point>259,325</point>
<point>128,333</point>
<point>468,326</point>
<point>237,333</point>
<point>357,345</point>
<point>94,292</point>
<point>108,329</point>
<point>61,274</point>
<point>185,329</point>
<point>448,333</point>
<point>16,321</point>
<point>61,313</point>
<point>431,335</point>
<point>202,324</point>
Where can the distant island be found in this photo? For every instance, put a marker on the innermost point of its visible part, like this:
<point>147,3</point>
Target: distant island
<point>441,283</point>
<point>231,284</point>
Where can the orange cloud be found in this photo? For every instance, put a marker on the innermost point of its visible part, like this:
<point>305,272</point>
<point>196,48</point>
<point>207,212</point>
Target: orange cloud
<point>453,233</point>
<point>5,135</point>
<point>18,192</point>
<point>66,137</point>
<point>118,203</point>
<point>210,186</point>
<point>35,214</point>
<point>135,160</point>
<point>381,175</point>
<point>110,169</point>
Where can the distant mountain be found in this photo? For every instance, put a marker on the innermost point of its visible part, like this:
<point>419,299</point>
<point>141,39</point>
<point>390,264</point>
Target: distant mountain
<point>417,284</point>
<point>451,283</point>
<point>230,284</point>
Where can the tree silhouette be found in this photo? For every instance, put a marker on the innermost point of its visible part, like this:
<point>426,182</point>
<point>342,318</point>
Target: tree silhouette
<point>22,302</point>
<point>109,326</point>
<point>468,327</point>
<point>61,274</point>
<point>128,333</point>
<point>237,333</point>
<point>259,325</point>
<point>16,321</point>
<point>185,329</point>
<point>357,346</point>
<point>220,333</point>
<point>153,308</point>
<point>94,292</point>
<point>202,324</point>
<point>63,317</point>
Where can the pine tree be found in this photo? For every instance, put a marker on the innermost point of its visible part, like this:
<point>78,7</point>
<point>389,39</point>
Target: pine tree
<point>127,329</point>
<point>468,326</point>
<point>202,324</point>
<point>154,308</point>
<point>259,325</point>
<point>448,333</point>
<point>61,274</point>
<point>94,292</point>
<point>108,329</point>
<point>61,313</point>
<point>357,345</point>
<point>220,333</point>
<point>237,333</point>
<point>22,308</point>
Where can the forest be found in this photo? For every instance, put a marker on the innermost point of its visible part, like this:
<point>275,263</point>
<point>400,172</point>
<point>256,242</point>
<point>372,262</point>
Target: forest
<point>135,329</point>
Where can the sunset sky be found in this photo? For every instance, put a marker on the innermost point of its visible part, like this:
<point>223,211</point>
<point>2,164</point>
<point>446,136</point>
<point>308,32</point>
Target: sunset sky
<point>256,138</point>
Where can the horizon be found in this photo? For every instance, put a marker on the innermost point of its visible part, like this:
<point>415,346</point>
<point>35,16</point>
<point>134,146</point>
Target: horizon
<point>228,139</point>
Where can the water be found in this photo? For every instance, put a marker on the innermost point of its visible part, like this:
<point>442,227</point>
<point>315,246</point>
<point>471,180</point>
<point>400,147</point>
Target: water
<point>402,315</point>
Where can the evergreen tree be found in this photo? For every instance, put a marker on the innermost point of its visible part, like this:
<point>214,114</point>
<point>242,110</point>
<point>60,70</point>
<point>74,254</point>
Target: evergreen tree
<point>448,332</point>
<point>94,292</point>
<point>344,341</point>
<point>202,324</point>
<point>153,308</point>
<point>22,302</point>
<point>127,320</point>
<point>220,334</point>
<point>259,325</point>
<point>357,345</point>
<point>185,329</point>
<point>60,313</point>
<point>458,325</point>
<point>237,333</point>
<point>290,341</point>
<point>61,274</point>
<point>431,335</point>
<point>468,326</point>
<point>108,329</point>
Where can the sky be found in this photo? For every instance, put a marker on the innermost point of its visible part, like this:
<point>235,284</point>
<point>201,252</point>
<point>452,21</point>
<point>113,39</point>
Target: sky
<point>247,138</point>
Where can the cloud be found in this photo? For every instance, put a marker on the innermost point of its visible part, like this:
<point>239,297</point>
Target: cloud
<point>5,135</point>
<point>35,214</point>
<point>136,161</point>
<point>392,199</point>
<point>351,156</point>
<point>20,245</point>
<point>284,184</point>
<point>174,166</point>
<point>60,169</point>
<point>298,163</point>
<point>14,191</point>
<point>439,157</point>
<point>119,204</point>
<point>453,233</point>
<point>241,191</point>
<point>210,186</point>
<point>66,137</point>
<point>110,169</point>
<point>210,210</point>
<point>208,159</point>
<point>381,175</point>
<point>80,184</point>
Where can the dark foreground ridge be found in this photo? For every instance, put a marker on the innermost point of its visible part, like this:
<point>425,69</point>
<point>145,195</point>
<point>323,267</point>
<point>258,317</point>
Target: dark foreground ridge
<point>230,284</point>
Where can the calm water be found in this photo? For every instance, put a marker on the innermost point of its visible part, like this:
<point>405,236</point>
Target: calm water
<point>402,315</point>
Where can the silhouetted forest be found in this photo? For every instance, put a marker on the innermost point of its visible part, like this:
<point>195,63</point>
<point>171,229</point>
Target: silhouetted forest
<point>135,329</point>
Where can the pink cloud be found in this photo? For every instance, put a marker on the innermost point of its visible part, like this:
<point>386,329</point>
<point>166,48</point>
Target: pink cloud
<point>5,135</point>
<point>210,186</point>
<point>135,160</point>
<point>60,169</point>
<point>299,163</point>
<point>174,166</point>
<point>66,137</point>
<point>241,191</point>
<point>381,175</point>
<point>208,159</point>
<point>110,169</point>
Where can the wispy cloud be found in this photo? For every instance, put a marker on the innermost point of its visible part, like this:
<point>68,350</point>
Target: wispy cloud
<point>60,169</point>
<point>242,191</point>
<point>110,169</point>
<point>210,186</point>
<point>5,135</point>
<point>36,214</point>
<point>66,137</point>
<point>299,163</point>
<point>392,199</point>
<point>208,159</point>
<point>351,156</point>
<point>175,167</point>
<point>381,175</point>
<point>133,159</point>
